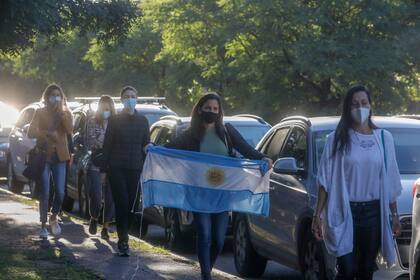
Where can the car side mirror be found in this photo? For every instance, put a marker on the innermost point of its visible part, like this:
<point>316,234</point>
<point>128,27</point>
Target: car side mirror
<point>287,165</point>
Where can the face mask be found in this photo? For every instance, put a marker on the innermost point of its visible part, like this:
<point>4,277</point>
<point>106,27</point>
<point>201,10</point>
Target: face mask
<point>54,99</point>
<point>130,103</point>
<point>106,115</point>
<point>360,115</point>
<point>209,117</point>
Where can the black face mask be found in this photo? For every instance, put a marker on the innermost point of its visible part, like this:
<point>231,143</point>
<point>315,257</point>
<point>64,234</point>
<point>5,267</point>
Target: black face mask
<point>209,117</point>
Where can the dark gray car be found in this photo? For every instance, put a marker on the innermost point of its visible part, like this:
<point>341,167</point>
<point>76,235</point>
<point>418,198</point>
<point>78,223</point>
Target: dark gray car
<point>296,145</point>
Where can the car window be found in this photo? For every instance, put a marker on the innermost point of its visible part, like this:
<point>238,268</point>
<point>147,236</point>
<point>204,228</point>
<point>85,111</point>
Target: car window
<point>154,117</point>
<point>252,133</point>
<point>25,117</point>
<point>79,121</point>
<point>164,136</point>
<point>154,134</point>
<point>274,146</point>
<point>296,147</point>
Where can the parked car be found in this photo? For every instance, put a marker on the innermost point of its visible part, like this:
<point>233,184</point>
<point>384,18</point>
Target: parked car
<point>76,186</point>
<point>414,117</point>
<point>19,146</point>
<point>8,117</point>
<point>296,145</point>
<point>177,223</point>
<point>415,238</point>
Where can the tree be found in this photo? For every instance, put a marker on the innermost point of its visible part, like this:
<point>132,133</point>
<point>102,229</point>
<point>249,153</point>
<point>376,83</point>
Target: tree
<point>22,21</point>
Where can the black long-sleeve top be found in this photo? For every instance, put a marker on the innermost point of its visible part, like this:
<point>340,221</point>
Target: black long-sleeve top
<point>125,139</point>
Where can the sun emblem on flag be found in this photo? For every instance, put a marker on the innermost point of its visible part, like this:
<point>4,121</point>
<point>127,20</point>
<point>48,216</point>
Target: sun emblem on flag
<point>215,176</point>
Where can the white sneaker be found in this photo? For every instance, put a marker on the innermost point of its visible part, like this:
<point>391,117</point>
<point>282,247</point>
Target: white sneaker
<point>55,227</point>
<point>43,233</point>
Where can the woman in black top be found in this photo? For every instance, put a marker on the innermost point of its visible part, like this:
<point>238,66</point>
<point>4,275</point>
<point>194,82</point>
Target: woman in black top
<point>126,136</point>
<point>209,134</point>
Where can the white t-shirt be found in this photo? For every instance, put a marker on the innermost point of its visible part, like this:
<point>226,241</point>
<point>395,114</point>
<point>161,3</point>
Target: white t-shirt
<point>362,167</point>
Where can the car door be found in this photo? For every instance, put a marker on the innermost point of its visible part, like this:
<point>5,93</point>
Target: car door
<point>20,143</point>
<point>262,227</point>
<point>288,193</point>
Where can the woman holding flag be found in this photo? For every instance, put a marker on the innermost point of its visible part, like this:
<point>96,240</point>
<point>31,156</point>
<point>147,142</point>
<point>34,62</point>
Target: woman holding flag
<point>208,134</point>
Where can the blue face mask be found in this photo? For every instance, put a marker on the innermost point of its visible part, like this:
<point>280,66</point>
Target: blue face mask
<point>54,99</point>
<point>130,103</point>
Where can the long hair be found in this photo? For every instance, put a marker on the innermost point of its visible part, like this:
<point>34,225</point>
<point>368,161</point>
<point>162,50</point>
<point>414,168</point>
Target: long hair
<point>342,138</point>
<point>105,99</point>
<point>197,123</point>
<point>47,93</point>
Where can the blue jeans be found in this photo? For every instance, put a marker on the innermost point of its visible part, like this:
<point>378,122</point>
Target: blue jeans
<point>366,242</point>
<point>211,231</point>
<point>58,171</point>
<point>97,194</point>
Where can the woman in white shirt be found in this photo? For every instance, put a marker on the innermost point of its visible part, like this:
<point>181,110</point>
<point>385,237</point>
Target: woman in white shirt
<point>359,183</point>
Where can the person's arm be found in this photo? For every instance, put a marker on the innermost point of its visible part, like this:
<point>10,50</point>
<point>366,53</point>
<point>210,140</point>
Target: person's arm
<point>67,121</point>
<point>146,138</point>
<point>108,143</point>
<point>34,131</point>
<point>240,144</point>
<point>316,219</point>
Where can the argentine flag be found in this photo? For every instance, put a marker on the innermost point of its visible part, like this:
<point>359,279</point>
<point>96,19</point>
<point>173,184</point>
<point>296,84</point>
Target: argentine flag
<point>203,182</point>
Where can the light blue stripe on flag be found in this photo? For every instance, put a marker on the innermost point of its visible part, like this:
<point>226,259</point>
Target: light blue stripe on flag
<point>206,183</point>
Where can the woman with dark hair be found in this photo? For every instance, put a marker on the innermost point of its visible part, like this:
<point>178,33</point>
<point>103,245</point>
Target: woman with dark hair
<point>98,185</point>
<point>51,126</point>
<point>359,183</point>
<point>126,137</point>
<point>208,134</point>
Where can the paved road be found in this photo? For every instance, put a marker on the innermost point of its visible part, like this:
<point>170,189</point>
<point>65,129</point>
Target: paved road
<point>225,262</point>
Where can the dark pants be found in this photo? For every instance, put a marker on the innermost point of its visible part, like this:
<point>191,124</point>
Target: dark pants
<point>211,231</point>
<point>98,193</point>
<point>366,242</point>
<point>124,187</point>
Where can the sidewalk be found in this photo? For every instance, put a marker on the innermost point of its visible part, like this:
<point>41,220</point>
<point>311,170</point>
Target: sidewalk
<point>19,226</point>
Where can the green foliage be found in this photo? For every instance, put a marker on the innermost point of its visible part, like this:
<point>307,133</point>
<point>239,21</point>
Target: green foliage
<point>272,58</point>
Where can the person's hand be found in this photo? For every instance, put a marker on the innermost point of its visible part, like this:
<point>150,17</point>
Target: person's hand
<point>269,162</point>
<point>317,228</point>
<point>71,160</point>
<point>103,179</point>
<point>396,226</point>
<point>146,148</point>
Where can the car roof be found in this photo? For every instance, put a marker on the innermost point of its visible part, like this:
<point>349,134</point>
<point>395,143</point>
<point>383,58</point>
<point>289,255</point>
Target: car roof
<point>145,108</point>
<point>330,122</point>
<point>237,120</point>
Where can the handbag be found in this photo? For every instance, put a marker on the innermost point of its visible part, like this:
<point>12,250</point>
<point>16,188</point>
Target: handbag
<point>35,164</point>
<point>97,157</point>
<point>37,157</point>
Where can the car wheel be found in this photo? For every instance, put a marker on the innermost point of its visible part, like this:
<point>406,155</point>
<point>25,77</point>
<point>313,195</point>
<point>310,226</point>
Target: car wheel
<point>313,259</point>
<point>83,200</point>
<point>173,234</point>
<point>248,262</point>
<point>68,203</point>
<point>13,184</point>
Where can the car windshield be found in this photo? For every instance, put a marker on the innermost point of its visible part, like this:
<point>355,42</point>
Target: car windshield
<point>407,148</point>
<point>252,133</point>
<point>154,117</point>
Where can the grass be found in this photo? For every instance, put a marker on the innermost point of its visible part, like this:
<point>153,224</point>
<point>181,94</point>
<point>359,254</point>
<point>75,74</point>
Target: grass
<point>39,263</point>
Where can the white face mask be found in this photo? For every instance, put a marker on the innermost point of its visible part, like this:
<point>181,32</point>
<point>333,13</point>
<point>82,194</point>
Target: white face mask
<point>106,115</point>
<point>360,115</point>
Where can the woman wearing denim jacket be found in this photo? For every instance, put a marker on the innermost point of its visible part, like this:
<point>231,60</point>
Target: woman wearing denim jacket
<point>51,126</point>
<point>98,184</point>
<point>208,134</point>
<point>359,184</point>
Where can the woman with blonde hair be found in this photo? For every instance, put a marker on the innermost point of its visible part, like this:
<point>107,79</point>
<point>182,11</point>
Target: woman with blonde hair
<point>98,185</point>
<point>50,126</point>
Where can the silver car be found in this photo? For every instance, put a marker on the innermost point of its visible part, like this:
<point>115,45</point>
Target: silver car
<point>415,239</point>
<point>296,145</point>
